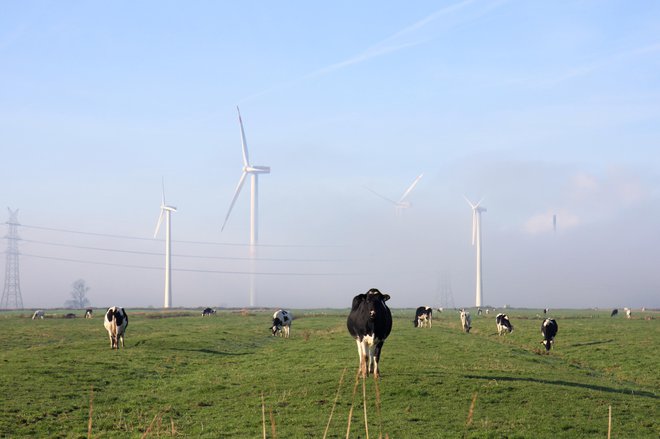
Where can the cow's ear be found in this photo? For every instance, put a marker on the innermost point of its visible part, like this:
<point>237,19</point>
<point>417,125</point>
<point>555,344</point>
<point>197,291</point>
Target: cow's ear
<point>386,297</point>
<point>357,300</point>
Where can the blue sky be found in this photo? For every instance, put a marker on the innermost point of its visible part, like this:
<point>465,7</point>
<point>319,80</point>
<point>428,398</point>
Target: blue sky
<point>540,108</point>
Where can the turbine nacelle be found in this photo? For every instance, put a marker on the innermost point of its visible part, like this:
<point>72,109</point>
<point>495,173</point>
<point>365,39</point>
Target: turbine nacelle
<point>402,203</point>
<point>163,208</point>
<point>247,169</point>
<point>256,169</point>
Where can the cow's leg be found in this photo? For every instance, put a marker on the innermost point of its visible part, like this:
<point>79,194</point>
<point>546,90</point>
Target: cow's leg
<point>288,331</point>
<point>120,337</point>
<point>112,342</point>
<point>364,357</point>
<point>377,349</point>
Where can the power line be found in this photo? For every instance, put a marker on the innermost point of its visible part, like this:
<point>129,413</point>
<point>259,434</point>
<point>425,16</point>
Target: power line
<point>137,252</point>
<point>191,270</point>
<point>138,238</point>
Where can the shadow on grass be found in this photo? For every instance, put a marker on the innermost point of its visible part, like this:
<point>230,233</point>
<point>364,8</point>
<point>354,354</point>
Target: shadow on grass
<point>568,384</point>
<point>213,352</point>
<point>590,343</point>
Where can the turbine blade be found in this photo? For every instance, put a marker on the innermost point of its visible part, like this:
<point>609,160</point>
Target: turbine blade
<point>233,201</point>
<point>162,203</point>
<point>412,186</point>
<point>160,220</point>
<point>381,196</point>
<point>469,202</point>
<point>246,158</point>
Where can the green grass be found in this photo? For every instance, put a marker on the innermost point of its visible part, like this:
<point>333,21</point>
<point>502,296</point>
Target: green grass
<point>190,376</point>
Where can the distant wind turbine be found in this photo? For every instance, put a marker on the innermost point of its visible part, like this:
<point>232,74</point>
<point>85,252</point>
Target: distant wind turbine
<point>402,203</point>
<point>253,172</point>
<point>166,211</point>
<point>476,238</point>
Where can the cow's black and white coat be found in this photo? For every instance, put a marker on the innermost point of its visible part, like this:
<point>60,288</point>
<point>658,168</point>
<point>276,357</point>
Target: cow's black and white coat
<point>115,322</point>
<point>549,329</point>
<point>423,317</point>
<point>208,312</point>
<point>503,324</point>
<point>466,321</point>
<point>38,314</point>
<point>88,313</point>
<point>282,323</point>
<point>369,323</point>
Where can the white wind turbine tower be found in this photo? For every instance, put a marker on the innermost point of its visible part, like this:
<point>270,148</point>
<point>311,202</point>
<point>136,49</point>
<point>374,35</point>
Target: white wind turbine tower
<point>166,211</point>
<point>253,172</point>
<point>476,237</point>
<point>402,203</point>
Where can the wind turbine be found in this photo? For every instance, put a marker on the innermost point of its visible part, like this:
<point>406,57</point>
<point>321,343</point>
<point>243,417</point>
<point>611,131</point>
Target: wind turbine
<point>166,211</point>
<point>402,203</point>
<point>476,237</point>
<point>253,172</point>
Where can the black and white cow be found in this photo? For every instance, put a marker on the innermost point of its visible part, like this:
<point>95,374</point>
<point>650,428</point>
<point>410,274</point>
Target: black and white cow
<point>208,312</point>
<point>369,323</point>
<point>38,314</point>
<point>549,329</point>
<point>282,323</point>
<point>115,323</point>
<point>466,321</point>
<point>628,313</point>
<point>423,317</point>
<point>503,324</point>
<point>88,313</point>
<point>614,312</point>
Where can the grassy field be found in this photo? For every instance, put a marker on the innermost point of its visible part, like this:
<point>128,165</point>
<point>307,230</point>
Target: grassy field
<point>222,376</point>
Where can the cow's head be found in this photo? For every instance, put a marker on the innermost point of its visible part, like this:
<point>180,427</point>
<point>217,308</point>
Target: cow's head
<point>277,325</point>
<point>548,344</point>
<point>372,301</point>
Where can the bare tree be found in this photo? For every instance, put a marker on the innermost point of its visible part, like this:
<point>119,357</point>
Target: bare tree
<point>79,298</point>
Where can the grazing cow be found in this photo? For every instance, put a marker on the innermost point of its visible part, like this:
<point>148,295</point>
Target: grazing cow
<point>628,313</point>
<point>466,321</point>
<point>88,313</point>
<point>282,323</point>
<point>614,312</point>
<point>369,323</point>
<point>70,316</point>
<point>423,317</point>
<point>115,323</point>
<point>549,329</point>
<point>38,314</point>
<point>208,312</point>
<point>503,324</point>
<point>545,311</point>
<point>479,311</point>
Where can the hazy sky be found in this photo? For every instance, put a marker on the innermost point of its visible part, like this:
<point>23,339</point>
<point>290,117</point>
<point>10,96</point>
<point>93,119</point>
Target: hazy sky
<point>540,108</point>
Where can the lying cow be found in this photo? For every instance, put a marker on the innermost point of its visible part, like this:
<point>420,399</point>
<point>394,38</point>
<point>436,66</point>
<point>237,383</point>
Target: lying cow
<point>503,324</point>
<point>466,321</point>
<point>370,322</point>
<point>423,317</point>
<point>208,312</point>
<point>115,323</point>
<point>38,314</point>
<point>549,329</point>
<point>282,323</point>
